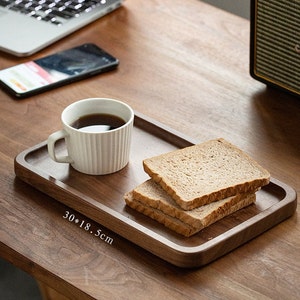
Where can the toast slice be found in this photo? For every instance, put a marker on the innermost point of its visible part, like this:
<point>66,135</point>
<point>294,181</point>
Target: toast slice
<point>204,173</point>
<point>151,200</point>
<point>152,195</point>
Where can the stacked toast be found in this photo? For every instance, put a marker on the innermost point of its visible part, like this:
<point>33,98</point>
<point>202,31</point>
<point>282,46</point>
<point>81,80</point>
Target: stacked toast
<point>193,187</point>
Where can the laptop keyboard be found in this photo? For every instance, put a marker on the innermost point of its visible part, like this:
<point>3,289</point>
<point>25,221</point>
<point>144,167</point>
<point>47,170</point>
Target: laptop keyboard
<point>53,11</point>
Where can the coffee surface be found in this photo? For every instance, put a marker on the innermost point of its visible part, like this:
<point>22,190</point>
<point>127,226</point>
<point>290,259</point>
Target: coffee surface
<point>98,123</point>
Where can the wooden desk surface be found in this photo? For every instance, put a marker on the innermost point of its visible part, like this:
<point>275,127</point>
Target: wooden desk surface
<point>185,66</point>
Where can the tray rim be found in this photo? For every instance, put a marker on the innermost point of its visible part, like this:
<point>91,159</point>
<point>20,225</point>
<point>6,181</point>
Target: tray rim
<point>185,256</point>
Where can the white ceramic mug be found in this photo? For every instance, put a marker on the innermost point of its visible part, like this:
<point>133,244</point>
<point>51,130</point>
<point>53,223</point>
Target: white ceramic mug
<point>94,153</point>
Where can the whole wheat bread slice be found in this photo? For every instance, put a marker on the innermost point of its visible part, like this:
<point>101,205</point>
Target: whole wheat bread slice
<point>159,206</point>
<point>151,194</point>
<point>204,173</point>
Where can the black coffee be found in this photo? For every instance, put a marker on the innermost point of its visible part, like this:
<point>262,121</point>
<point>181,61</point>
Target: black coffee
<point>98,123</point>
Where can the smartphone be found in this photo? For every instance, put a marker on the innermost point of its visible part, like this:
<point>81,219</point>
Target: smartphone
<point>61,68</point>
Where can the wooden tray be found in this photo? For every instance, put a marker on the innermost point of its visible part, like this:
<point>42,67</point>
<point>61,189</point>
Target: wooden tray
<point>100,198</point>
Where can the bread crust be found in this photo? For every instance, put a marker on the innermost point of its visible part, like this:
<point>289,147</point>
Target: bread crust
<point>152,195</point>
<point>188,223</point>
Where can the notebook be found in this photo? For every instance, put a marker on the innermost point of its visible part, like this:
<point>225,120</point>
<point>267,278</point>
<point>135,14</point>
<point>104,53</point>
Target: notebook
<point>27,26</point>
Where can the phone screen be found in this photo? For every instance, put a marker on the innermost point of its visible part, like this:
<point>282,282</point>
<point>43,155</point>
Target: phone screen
<point>55,70</point>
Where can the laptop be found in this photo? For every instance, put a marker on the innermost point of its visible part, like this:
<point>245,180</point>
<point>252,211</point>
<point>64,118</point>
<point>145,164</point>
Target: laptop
<point>27,26</point>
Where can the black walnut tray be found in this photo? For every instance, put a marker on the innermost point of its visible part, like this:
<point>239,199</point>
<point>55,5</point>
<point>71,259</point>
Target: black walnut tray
<point>100,198</point>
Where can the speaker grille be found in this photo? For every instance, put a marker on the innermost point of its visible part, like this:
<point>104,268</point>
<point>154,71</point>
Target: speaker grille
<point>277,42</point>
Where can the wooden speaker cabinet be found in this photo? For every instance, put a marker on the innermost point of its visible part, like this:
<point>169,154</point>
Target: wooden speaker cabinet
<point>275,43</point>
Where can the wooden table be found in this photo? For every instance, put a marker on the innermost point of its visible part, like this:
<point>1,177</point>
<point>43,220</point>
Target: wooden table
<point>187,67</point>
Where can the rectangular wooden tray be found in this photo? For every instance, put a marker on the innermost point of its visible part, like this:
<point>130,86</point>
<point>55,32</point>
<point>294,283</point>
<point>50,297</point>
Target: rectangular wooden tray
<point>100,198</point>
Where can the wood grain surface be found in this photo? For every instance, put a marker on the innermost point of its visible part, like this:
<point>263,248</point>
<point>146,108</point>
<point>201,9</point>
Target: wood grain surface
<point>186,66</point>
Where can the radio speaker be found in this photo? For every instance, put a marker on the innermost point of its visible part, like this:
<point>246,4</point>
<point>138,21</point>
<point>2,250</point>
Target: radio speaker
<point>275,43</point>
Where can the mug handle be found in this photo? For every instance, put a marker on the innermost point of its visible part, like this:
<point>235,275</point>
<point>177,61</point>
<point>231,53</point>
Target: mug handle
<point>52,139</point>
